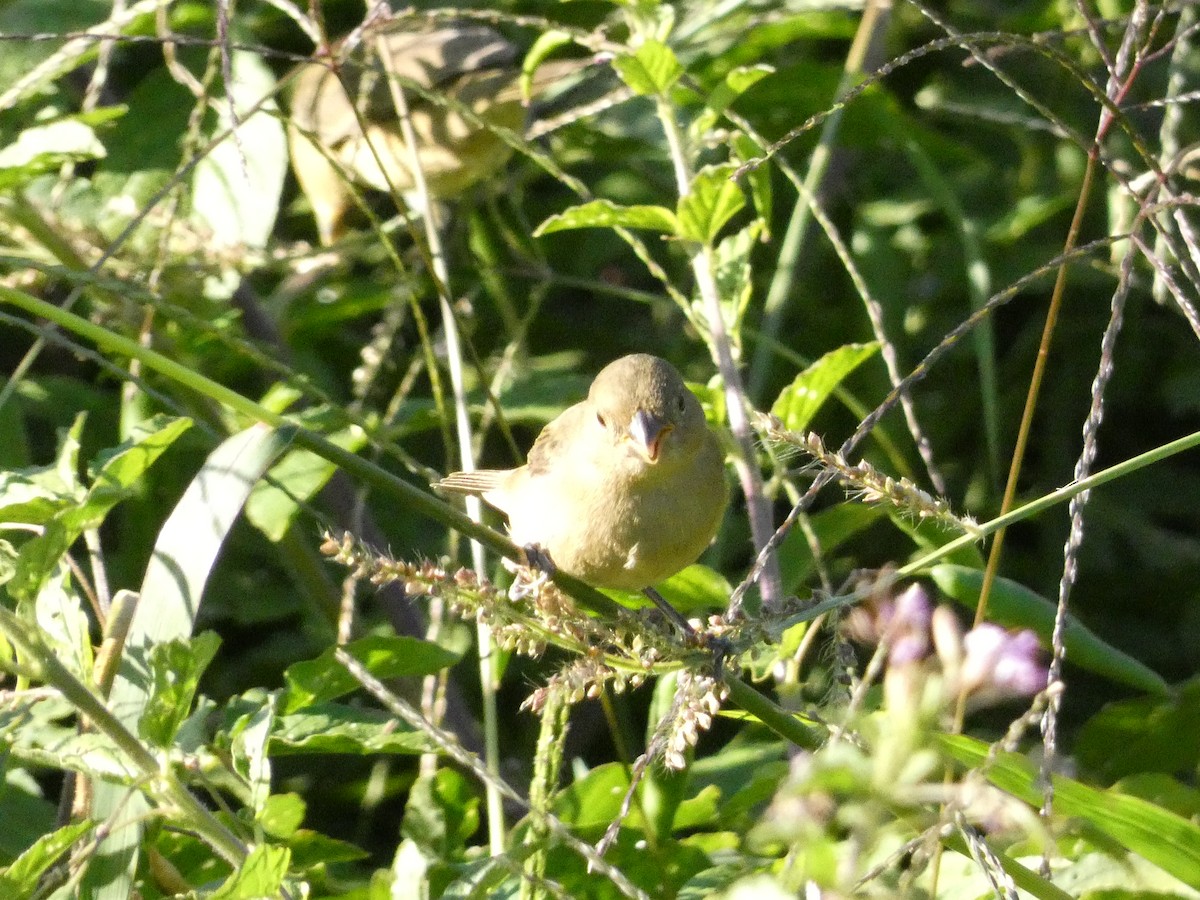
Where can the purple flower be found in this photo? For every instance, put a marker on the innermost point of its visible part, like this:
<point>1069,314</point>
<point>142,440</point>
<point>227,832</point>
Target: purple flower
<point>908,628</point>
<point>998,665</point>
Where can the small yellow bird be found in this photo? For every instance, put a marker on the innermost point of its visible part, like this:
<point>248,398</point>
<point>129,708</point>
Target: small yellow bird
<point>354,121</point>
<point>623,489</point>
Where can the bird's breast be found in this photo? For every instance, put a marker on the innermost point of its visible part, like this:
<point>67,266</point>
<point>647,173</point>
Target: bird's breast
<point>622,528</point>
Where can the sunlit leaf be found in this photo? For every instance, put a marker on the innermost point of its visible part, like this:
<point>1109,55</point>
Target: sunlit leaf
<point>384,656</point>
<point>799,401</point>
<point>442,812</point>
<point>236,189</point>
<point>260,875</point>
<point>650,70</point>
<point>713,199</point>
<point>282,814</point>
<point>183,558</point>
<point>1162,837</point>
<point>606,214</point>
<point>275,502</point>
<point>22,877</point>
<point>335,728</point>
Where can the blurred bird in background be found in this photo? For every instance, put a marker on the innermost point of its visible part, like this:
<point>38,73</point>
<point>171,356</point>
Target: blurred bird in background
<point>344,125</point>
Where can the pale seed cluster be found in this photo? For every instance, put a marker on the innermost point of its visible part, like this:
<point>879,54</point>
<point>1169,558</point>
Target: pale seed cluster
<point>697,700</point>
<point>583,679</point>
<point>867,482</point>
<point>619,653</point>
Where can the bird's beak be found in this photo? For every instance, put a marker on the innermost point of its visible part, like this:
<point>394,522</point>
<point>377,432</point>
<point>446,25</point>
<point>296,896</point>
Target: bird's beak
<point>647,431</point>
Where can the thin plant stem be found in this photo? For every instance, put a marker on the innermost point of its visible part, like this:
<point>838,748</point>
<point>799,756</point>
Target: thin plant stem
<point>749,476</point>
<point>488,668</point>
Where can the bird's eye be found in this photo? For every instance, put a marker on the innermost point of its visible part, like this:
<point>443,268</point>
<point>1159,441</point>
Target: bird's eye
<point>680,403</point>
<point>600,419</point>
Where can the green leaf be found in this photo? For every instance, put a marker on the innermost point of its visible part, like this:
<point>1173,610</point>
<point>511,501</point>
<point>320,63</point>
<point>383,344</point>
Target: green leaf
<point>758,179</point>
<point>21,878</point>
<point>651,70</point>
<point>733,272</point>
<point>183,558</point>
<point>37,493</point>
<point>441,814</point>
<point>591,803</point>
<point>385,656</point>
<point>736,82</point>
<point>90,753</point>
<point>237,196</point>
<point>295,479</point>
<point>26,814</point>
<point>249,751</point>
<point>64,625</point>
<point>697,811</point>
<point>46,148</point>
<point>115,472</point>
<point>260,875</point>
<point>712,200</point>
<point>606,214</point>
<point>282,815</point>
<point>1169,841</point>
<point>336,728</point>
<point>34,495</point>
<point>1016,606</point>
<point>799,401</point>
<point>1145,734</point>
<point>747,777</point>
<point>175,670</point>
<point>311,848</point>
<point>696,588</point>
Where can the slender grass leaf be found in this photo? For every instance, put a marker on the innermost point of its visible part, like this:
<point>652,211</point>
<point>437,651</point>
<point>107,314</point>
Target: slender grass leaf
<point>1168,840</point>
<point>183,558</point>
<point>274,504</point>
<point>236,194</point>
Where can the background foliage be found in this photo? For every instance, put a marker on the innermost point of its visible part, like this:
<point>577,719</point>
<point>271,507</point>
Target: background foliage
<point>199,398</point>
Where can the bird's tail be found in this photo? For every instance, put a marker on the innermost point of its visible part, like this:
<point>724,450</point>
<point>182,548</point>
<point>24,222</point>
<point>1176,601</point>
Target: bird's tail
<point>478,482</point>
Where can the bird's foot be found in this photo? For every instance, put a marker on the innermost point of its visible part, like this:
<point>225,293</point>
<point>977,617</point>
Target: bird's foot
<point>537,569</point>
<point>673,615</point>
<point>721,648</point>
<point>539,560</point>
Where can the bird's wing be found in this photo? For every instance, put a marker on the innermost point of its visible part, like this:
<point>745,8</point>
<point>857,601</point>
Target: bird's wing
<point>434,57</point>
<point>478,482</point>
<point>554,442</point>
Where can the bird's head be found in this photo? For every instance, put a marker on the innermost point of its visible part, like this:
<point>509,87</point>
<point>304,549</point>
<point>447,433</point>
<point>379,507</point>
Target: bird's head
<point>642,404</point>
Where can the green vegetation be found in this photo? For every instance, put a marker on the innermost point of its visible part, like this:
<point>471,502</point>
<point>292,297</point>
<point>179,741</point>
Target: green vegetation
<point>931,270</point>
